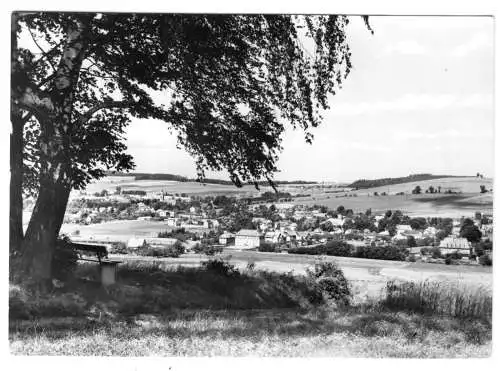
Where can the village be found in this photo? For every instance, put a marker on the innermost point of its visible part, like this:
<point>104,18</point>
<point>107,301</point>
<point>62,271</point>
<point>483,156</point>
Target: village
<point>273,223</point>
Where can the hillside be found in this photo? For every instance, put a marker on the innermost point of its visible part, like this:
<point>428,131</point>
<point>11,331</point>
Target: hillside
<point>455,184</point>
<point>180,178</point>
<point>370,183</point>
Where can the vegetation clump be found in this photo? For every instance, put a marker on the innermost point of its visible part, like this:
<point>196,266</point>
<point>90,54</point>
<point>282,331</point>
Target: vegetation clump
<point>174,251</point>
<point>331,281</point>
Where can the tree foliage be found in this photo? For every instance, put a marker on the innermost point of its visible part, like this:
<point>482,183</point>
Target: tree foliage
<point>226,84</point>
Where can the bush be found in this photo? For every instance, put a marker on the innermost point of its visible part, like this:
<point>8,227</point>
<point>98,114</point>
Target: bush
<point>173,251</point>
<point>454,255</point>
<point>337,248</point>
<point>64,259</point>
<point>436,253</point>
<point>485,260</point>
<point>439,298</point>
<point>221,267</point>
<point>425,251</point>
<point>210,250</point>
<point>331,281</point>
<point>119,248</point>
<point>383,253</point>
<point>267,247</point>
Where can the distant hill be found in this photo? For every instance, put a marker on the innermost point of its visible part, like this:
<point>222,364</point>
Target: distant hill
<point>454,184</point>
<point>179,178</point>
<point>371,183</point>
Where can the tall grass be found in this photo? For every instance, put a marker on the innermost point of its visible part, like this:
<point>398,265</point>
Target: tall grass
<point>443,298</point>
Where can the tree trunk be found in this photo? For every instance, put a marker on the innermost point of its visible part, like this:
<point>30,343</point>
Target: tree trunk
<point>55,160</point>
<point>16,183</point>
<point>43,229</point>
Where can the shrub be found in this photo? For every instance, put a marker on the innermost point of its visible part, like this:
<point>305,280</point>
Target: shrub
<point>425,251</point>
<point>173,251</point>
<point>267,247</point>
<point>384,253</point>
<point>119,248</point>
<point>64,259</point>
<point>210,250</point>
<point>221,267</point>
<point>485,260</point>
<point>443,298</point>
<point>331,280</point>
<point>337,248</point>
<point>454,255</point>
<point>436,253</point>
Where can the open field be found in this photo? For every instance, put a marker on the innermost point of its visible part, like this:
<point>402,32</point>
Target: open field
<point>465,185</point>
<point>414,205</point>
<point>368,276</point>
<point>191,188</point>
<point>119,230</point>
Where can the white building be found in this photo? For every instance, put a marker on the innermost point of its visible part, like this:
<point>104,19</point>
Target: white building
<point>226,238</point>
<point>247,239</point>
<point>452,244</point>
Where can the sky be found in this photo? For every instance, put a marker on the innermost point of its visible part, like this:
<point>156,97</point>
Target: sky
<point>419,99</point>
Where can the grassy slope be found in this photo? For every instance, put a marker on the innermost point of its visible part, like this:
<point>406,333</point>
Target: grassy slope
<point>465,184</point>
<point>286,333</point>
<point>417,205</point>
<point>190,312</point>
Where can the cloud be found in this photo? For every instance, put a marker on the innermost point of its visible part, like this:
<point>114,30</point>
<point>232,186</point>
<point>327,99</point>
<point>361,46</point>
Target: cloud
<point>476,42</point>
<point>406,47</point>
<point>414,102</point>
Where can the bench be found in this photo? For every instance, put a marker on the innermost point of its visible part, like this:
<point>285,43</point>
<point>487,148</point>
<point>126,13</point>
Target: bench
<point>107,267</point>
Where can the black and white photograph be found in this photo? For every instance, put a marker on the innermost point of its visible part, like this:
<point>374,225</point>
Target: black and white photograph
<point>263,184</point>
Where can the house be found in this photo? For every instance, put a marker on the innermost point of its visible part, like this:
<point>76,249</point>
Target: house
<point>400,228</point>
<point>135,243</point>
<point>455,244</point>
<point>162,213</point>
<point>160,242</point>
<point>172,222</point>
<point>430,231</point>
<point>247,239</point>
<point>226,238</point>
<point>337,222</point>
<point>273,237</point>
<point>283,206</point>
<point>415,234</point>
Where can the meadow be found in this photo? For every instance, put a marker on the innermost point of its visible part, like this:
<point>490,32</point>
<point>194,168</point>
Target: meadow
<point>118,230</point>
<point>439,205</point>
<point>129,183</point>
<point>165,310</point>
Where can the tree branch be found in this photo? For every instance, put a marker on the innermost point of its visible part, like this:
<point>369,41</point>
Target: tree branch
<point>34,101</point>
<point>44,53</point>
<point>105,105</point>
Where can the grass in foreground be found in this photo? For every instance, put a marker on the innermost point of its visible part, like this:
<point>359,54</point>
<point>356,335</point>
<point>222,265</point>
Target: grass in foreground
<point>223,312</point>
<point>350,333</point>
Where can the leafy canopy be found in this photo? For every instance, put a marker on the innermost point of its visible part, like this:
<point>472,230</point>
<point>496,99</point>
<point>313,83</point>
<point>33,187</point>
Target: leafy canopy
<point>225,84</point>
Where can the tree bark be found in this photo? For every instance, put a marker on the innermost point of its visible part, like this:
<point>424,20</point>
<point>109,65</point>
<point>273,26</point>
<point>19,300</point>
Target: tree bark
<point>43,229</point>
<point>55,160</point>
<point>16,184</point>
